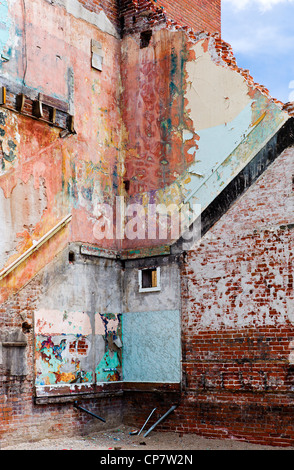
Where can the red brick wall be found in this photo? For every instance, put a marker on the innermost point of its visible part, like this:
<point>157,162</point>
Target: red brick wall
<point>238,322</point>
<point>238,316</point>
<point>200,15</point>
<point>20,417</point>
<point>110,7</point>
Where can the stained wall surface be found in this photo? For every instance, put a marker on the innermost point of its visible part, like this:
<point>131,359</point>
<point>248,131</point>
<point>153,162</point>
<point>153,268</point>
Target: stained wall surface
<point>238,299</point>
<point>197,128</point>
<point>45,177</point>
<point>153,113</point>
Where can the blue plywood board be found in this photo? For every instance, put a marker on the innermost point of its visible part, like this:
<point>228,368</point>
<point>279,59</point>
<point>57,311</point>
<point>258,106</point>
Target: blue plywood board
<point>152,346</point>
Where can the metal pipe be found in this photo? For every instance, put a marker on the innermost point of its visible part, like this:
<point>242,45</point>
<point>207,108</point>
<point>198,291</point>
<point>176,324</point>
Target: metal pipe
<point>89,412</point>
<point>146,421</point>
<point>36,245</point>
<point>160,420</point>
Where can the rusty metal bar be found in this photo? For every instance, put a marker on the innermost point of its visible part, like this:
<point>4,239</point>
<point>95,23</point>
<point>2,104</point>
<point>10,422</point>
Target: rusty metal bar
<point>160,420</point>
<point>87,411</point>
<point>146,421</point>
<point>35,247</point>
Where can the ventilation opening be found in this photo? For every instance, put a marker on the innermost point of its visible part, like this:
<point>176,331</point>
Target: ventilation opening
<point>26,327</point>
<point>145,38</point>
<point>71,256</point>
<point>127,185</point>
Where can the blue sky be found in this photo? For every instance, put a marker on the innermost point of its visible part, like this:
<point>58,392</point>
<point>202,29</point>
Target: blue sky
<point>261,33</point>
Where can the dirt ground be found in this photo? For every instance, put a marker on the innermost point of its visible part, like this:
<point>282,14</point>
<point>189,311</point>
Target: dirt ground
<point>121,439</point>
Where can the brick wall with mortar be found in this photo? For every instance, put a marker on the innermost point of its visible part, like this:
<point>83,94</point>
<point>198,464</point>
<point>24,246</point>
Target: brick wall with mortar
<point>200,15</point>
<point>21,418</point>
<point>137,15</point>
<point>110,8</point>
<point>237,321</point>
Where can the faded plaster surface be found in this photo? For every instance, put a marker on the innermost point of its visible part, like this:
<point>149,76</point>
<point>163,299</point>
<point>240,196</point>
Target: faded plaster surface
<point>19,214</point>
<point>207,123</point>
<point>167,298</point>
<point>193,132</point>
<point>38,168</point>
<point>5,26</point>
<point>84,335</point>
<point>78,339</point>
<point>210,90</point>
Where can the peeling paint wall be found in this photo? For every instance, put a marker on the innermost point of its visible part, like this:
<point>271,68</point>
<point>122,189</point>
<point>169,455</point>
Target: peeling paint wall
<point>78,340</point>
<point>197,128</point>
<point>152,324</point>
<point>48,49</point>
<point>152,351</point>
<point>202,15</point>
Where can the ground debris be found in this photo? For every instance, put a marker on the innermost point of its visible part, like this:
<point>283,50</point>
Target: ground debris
<point>122,439</point>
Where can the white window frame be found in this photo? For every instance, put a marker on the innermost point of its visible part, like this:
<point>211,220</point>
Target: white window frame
<point>149,289</point>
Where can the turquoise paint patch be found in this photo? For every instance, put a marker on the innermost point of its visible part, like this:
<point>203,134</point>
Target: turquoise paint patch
<point>203,192</point>
<point>107,369</point>
<point>215,145</point>
<point>152,346</point>
<point>5,24</point>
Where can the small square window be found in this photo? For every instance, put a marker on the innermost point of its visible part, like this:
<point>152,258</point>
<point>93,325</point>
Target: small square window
<point>149,280</point>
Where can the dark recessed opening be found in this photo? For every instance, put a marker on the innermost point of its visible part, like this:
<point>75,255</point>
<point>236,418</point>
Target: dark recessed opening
<point>71,256</point>
<point>145,39</point>
<point>149,278</point>
<point>122,23</point>
<point>26,327</point>
<point>127,184</point>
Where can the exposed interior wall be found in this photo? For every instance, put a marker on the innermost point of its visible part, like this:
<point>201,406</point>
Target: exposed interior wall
<point>238,315</point>
<point>48,171</point>
<point>49,50</point>
<point>196,129</point>
<point>198,15</point>
<point>76,325</point>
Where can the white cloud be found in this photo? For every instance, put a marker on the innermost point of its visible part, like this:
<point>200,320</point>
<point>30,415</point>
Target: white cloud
<point>262,36</point>
<point>263,5</point>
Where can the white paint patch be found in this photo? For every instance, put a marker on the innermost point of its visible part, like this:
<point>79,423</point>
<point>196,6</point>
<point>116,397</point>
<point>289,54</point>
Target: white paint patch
<point>100,20</point>
<point>216,95</point>
<point>56,322</point>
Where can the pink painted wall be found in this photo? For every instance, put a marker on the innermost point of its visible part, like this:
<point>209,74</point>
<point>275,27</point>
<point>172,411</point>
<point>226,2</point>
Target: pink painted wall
<point>52,53</point>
